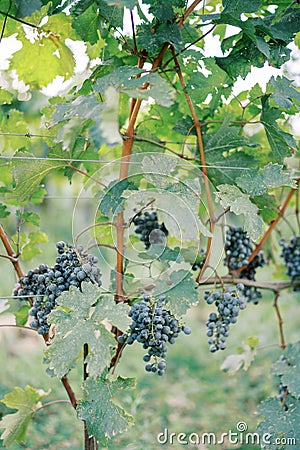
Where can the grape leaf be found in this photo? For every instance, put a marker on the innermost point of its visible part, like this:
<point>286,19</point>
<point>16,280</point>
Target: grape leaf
<point>279,423</point>
<point>239,203</point>
<point>180,291</point>
<point>28,174</point>
<point>284,94</point>
<point>237,7</point>
<point>224,139</point>
<point>43,64</point>
<point>76,326</point>
<point>15,425</point>
<point>127,3</point>
<point>104,418</point>
<point>30,249</point>
<point>3,211</point>
<point>87,24</point>
<point>258,181</point>
<point>152,39</point>
<point>281,143</point>
<point>267,206</point>
<point>27,7</point>
<point>289,369</point>
<point>112,200</point>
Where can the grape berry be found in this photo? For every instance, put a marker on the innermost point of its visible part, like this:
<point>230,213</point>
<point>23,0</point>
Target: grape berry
<point>291,255</point>
<point>228,303</point>
<point>45,283</point>
<point>149,229</point>
<point>238,248</point>
<point>198,264</point>
<point>154,327</point>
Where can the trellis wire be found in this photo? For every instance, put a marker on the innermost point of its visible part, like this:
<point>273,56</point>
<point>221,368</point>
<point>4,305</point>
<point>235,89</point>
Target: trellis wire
<point>70,160</point>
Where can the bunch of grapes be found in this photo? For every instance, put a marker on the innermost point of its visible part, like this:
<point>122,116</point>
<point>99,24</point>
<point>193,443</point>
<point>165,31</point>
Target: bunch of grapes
<point>228,303</point>
<point>198,264</point>
<point>238,248</point>
<point>291,255</point>
<point>154,327</point>
<point>45,284</point>
<point>147,224</point>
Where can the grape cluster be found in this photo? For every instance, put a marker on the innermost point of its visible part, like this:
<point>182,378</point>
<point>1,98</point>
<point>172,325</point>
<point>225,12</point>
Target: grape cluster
<point>45,283</point>
<point>228,303</point>
<point>238,248</point>
<point>150,230</point>
<point>198,264</point>
<point>154,327</point>
<point>291,255</point>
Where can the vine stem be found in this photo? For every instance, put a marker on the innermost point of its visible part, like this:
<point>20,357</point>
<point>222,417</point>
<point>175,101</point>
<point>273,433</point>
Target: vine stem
<point>82,172</point>
<point>280,321</point>
<point>203,162</point>
<point>51,403</point>
<point>275,287</point>
<point>270,229</point>
<point>11,254</point>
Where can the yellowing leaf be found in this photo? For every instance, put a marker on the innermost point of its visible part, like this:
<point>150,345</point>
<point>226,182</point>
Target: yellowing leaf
<point>38,63</point>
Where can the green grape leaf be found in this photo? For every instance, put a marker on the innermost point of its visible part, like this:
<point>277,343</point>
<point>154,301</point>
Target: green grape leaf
<point>281,143</point>
<point>15,425</point>
<point>225,139</point>
<point>258,181</point>
<point>8,124</point>
<point>69,132</point>
<point>267,207</point>
<point>104,418</point>
<point>279,424</point>
<point>151,39</point>
<point>30,249</point>
<point>5,96</point>
<point>76,325</point>
<point>158,164</point>
<point>289,369</point>
<point>284,94</point>
<point>87,24</point>
<point>159,89</point>
<point>239,203</point>
<point>242,57</point>
<point>179,290</point>
<point>127,3</point>
<point>236,163</point>
<point>27,7</point>
<point>236,7</point>
<point>115,313</point>
<point>29,217</point>
<point>4,212</point>
<point>112,200</point>
<point>28,174</point>
<point>112,13</point>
